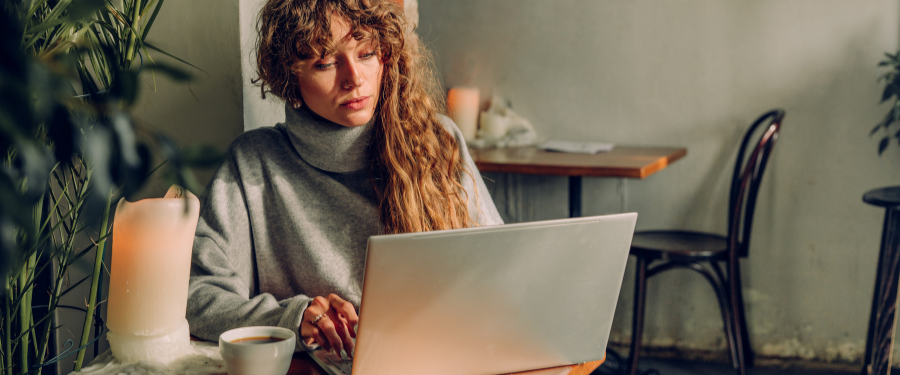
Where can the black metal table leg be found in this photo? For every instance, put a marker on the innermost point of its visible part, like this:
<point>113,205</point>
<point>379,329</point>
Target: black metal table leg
<point>574,196</point>
<point>882,322</point>
<point>637,316</point>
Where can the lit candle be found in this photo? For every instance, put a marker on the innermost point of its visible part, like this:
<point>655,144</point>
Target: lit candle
<point>462,102</point>
<point>148,287</point>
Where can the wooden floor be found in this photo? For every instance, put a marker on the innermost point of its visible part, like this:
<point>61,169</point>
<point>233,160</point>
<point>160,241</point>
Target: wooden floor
<point>677,367</point>
<point>683,367</point>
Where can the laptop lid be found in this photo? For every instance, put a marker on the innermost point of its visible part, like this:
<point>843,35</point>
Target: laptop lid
<point>492,300</point>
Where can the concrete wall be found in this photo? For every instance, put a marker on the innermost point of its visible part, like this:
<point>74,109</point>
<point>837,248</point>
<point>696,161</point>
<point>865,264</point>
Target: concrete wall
<point>208,110</point>
<point>695,73</point>
<point>257,111</point>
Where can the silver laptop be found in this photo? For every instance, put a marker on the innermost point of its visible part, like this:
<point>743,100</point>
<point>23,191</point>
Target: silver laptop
<point>489,300</point>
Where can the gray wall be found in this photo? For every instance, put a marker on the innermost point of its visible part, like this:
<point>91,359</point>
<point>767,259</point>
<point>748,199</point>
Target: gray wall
<point>258,112</point>
<point>208,110</point>
<point>695,73</point>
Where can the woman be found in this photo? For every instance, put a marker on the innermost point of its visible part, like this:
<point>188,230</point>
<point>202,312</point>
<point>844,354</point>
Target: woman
<point>363,151</point>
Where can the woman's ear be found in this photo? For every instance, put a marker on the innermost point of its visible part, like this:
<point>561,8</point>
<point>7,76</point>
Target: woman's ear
<point>296,68</point>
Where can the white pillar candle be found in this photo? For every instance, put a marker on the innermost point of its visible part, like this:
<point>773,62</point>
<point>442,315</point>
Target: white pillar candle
<point>463,104</point>
<point>148,287</point>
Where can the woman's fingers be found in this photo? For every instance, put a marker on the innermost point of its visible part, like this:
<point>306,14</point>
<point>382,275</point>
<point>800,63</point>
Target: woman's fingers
<point>346,311</point>
<point>312,335</point>
<point>340,325</point>
<point>317,334</point>
<point>316,313</point>
<point>334,320</point>
<point>328,328</point>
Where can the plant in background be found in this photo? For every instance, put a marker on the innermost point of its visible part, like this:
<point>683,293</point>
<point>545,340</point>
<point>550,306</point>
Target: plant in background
<point>891,91</point>
<point>67,78</point>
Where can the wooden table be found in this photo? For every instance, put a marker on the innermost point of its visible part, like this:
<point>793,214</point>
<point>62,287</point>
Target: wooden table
<point>301,364</point>
<point>622,161</point>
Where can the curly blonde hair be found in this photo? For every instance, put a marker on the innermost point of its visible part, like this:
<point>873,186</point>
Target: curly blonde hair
<point>417,167</point>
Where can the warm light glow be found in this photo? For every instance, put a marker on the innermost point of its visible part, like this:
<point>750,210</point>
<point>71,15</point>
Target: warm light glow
<point>463,104</point>
<point>151,261</point>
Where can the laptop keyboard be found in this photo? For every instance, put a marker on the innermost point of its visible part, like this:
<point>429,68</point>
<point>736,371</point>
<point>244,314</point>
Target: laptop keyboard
<point>344,364</point>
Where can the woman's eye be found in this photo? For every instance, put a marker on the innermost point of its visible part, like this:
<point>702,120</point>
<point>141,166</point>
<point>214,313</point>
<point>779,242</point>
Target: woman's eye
<point>369,55</point>
<point>324,66</point>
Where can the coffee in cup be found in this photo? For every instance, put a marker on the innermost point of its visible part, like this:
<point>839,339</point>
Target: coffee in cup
<point>257,350</point>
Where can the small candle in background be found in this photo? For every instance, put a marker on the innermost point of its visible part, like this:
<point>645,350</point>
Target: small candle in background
<point>463,104</point>
<point>151,262</point>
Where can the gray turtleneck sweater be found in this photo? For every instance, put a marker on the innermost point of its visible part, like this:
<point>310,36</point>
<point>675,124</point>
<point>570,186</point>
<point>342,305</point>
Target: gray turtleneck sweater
<point>287,218</point>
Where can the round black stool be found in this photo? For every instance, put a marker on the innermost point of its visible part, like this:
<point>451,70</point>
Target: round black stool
<point>880,338</point>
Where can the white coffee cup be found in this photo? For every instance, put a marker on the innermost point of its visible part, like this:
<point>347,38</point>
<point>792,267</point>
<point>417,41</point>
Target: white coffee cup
<point>245,356</point>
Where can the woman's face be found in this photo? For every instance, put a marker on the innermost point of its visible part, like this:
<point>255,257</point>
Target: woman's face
<point>343,87</point>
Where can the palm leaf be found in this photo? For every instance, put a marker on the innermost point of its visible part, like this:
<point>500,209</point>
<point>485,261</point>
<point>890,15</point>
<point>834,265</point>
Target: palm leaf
<point>34,7</point>
<point>148,45</point>
<point>45,26</point>
<point>152,18</point>
<point>99,64</point>
<point>60,40</point>
<point>58,9</point>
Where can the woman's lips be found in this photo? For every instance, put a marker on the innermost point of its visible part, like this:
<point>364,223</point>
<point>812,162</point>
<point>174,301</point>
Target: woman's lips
<point>356,103</point>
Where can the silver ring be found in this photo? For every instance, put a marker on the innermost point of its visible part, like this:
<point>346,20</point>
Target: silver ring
<point>315,320</point>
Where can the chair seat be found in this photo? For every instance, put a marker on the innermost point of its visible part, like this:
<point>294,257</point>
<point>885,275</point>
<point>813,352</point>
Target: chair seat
<point>676,244</point>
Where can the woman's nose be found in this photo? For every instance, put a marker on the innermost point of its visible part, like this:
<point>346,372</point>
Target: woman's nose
<point>352,77</point>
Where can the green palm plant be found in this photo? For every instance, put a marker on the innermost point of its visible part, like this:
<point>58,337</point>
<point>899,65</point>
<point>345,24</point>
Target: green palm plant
<point>891,91</point>
<point>67,78</point>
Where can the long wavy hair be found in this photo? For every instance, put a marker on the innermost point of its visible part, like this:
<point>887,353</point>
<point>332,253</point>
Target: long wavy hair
<point>417,168</point>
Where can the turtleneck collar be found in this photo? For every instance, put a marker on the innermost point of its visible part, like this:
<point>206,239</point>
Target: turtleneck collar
<point>326,145</point>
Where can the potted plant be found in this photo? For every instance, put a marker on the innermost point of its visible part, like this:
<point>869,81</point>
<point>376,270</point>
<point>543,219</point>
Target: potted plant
<point>891,91</point>
<point>68,74</point>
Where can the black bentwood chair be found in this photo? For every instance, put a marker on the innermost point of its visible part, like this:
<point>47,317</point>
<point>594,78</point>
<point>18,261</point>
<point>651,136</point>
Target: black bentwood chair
<point>705,253</point>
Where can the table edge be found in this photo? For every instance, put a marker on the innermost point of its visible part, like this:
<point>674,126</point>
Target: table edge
<point>561,170</point>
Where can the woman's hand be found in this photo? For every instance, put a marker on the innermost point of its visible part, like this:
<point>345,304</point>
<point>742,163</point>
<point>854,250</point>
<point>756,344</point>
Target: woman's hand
<point>329,322</point>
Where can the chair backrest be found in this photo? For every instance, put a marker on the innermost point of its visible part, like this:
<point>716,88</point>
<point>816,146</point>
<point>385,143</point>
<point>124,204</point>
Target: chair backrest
<point>748,172</point>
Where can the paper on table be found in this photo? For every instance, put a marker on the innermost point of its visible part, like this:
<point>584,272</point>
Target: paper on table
<point>576,147</point>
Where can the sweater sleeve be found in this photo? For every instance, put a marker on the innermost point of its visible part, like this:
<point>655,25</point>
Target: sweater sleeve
<point>223,293</point>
